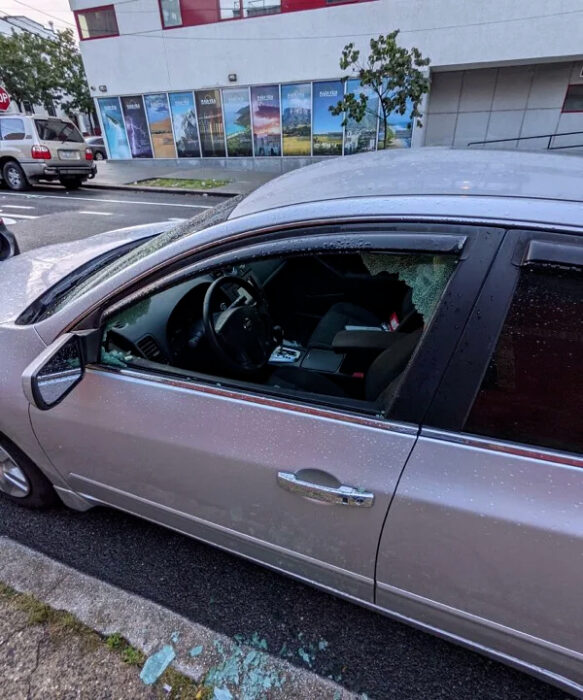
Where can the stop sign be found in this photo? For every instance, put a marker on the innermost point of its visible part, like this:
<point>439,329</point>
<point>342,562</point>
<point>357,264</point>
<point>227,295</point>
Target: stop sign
<point>4,100</point>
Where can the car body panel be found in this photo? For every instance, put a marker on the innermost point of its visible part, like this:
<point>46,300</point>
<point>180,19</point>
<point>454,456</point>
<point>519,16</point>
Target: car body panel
<point>494,533</point>
<point>26,276</point>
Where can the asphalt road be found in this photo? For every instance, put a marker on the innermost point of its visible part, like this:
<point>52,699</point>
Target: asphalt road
<point>50,214</point>
<point>365,652</point>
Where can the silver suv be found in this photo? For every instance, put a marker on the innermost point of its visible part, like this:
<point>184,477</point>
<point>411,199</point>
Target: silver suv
<point>43,148</point>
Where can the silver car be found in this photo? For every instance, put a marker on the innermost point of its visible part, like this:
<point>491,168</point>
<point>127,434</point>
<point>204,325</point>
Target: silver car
<point>366,375</point>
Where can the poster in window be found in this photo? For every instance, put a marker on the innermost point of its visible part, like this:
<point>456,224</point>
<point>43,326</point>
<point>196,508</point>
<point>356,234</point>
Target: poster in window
<point>237,121</point>
<point>266,120</point>
<point>184,124</point>
<point>327,128</point>
<point>160,125</point>
<point>114,128</point>
<point>136,126</point>
<point>361,136</point>
<point>400,129</point>
<point>210,122</point>
<point>296,119</point>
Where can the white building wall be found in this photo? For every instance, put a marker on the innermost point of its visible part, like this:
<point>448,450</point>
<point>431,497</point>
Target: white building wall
<point>307,45</point>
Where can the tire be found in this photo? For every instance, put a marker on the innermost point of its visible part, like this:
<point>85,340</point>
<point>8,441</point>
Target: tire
<point>98,156</point>
<point>26,485</point>
<point>72,182</point>
<point>14,177</point>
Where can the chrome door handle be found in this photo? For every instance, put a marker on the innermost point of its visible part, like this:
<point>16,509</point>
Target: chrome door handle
<point>340,495</point>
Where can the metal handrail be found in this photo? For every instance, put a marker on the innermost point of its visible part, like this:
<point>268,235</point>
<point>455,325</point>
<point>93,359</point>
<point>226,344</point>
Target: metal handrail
<point>550,137</point>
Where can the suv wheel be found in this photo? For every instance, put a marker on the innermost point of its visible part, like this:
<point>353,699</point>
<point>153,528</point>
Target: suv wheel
<point>72,182</point>
<point>22,481</point>
<point>13,175</point>
<point>98,155</point>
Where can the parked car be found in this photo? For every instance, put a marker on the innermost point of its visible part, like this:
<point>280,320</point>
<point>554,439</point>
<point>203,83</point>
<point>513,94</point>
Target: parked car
<point>366,374</point>
<point>34,149</point>
<point>97,147</point>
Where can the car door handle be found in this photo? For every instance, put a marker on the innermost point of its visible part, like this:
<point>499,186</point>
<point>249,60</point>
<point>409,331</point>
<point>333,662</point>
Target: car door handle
<point>340,495</point>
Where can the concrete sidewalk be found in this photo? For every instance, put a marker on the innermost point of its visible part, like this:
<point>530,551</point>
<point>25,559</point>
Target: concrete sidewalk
<point>67,635</point>
<point>124,175</point>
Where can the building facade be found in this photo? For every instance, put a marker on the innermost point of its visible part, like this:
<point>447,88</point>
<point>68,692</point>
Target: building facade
<point>255,78</point>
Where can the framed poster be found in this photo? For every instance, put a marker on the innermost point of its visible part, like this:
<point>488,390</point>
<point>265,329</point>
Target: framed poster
<point>210,122</point>
<point>136,126</point>
<point>296,119</point>
<point>362,136</point>
<point>266,120</point>
<point>184,124</point>
<point>113,127</point>
<point>400,129</point>
<point>237,121</point>
<point>160,125</point>
<point>327,128</point>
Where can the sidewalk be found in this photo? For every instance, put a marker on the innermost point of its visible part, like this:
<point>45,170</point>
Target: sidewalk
<point>124,175</point>
<point>67,635</point>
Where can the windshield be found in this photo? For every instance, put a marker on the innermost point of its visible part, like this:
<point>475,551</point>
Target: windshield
<point>57,130</point>
<point>81,281</point>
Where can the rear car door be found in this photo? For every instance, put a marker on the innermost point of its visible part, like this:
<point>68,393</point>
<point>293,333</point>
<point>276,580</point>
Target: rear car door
<point>484,538</point>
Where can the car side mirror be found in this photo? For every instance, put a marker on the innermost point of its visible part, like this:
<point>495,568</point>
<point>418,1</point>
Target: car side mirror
<point>8,244</point>
<point>55,372</point>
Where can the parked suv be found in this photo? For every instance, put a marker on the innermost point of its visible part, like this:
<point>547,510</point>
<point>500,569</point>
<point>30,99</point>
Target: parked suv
<point>43,148</point>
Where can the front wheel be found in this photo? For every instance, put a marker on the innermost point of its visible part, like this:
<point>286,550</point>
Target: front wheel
<point>21,481</point>
<point>71,183</point>
<point>13,175</point>
<point>98,156</point>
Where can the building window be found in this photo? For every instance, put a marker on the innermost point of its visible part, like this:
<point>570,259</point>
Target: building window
<point>574,99</point>
<point>170,13</point>
<point>97,22</point>
<point>533,388</point>
<point>234,9</point>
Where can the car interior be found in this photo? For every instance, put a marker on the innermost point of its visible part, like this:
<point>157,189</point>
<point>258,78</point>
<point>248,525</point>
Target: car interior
<point>337,325</point>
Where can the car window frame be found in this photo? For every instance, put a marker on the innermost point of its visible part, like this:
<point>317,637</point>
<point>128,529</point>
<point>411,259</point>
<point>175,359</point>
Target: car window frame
<point>479,247</point>
<point>463,379</point>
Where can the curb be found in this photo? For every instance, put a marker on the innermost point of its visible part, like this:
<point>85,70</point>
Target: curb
<point>245,667</point>
<point>162,190</point>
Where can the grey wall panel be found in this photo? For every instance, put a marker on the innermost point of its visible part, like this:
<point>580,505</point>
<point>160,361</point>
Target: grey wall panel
<point>445,92</point>
<point>549,85</point>
<point>538,122</point>
<point>440,129</point>
<point>471,126</point>
<point>478,90</point>
<point>505,125</point>
<point>512,87</point>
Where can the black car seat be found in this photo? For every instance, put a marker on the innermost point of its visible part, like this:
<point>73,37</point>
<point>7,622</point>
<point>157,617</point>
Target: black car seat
<point>344,314</point>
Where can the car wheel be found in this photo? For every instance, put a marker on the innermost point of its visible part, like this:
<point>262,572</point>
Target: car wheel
<point>13,175</point>
<point>98,156</point>
<point>71,183</point>
<point>21,481</point>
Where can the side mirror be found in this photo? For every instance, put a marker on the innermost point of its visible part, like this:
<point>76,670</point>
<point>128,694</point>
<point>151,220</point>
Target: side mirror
<point>8,245</point>
<point>55,372</point>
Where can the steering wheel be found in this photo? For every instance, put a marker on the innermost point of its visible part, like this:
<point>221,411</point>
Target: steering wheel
<point>242,334</point>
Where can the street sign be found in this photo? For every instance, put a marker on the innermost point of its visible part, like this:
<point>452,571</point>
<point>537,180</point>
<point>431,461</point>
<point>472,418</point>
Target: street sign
<point>4,100</point>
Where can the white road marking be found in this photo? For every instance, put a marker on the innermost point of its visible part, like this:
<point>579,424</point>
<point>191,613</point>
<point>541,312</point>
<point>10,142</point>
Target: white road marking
<point>96,200</point>
<point>7,221</point>
<point>96,213</point>
<point>15,206</point>
<point>176,218</point>
<point>20,216</point>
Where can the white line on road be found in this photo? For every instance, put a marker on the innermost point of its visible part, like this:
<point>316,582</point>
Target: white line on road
<point>97,213</point>
<point>7,221</point>
<point>20,216</point>
<point>96,200</point>
<point>15,206</point>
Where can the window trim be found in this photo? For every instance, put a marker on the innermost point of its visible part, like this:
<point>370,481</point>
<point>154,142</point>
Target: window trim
<point>571,111</point>
<point>90,10</point>
<point>438,340</point>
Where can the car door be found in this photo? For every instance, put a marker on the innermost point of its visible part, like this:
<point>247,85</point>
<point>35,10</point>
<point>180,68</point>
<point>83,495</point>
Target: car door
<point>300,486</point>
<point>484,539</point>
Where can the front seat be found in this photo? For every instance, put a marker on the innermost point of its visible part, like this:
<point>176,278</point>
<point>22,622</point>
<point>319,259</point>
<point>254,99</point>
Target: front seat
<point>345,314</point>
<point>381,378</point>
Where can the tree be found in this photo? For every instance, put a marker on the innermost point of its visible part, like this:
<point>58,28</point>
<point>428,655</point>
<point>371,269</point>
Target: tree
<point>45,71</point>
<point>392,73</point>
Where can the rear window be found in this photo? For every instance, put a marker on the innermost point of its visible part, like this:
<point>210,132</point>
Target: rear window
<point>12,129</point>
<point>57,130</point>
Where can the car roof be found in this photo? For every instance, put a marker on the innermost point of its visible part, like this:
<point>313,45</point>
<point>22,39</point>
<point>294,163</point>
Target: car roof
<point>425,171</point>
